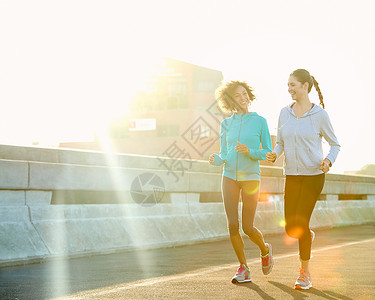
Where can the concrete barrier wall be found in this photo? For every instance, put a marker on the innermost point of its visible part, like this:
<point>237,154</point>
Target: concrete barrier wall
<point>34,227</point>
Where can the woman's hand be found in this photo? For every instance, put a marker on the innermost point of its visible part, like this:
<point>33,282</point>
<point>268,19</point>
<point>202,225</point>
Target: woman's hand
<point>324,165</point>
<point>242,148</point>
<point>271,156</point>
<point>211,159</point>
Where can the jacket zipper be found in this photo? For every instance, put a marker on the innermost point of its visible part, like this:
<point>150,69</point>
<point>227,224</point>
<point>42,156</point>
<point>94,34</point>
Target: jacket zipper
<point>239,134</point>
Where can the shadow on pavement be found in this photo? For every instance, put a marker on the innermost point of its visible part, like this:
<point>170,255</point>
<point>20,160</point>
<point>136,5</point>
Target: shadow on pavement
<point>333,294</point>
<point>257,289</point>
<point>291,291</point>
<point>300,294</point>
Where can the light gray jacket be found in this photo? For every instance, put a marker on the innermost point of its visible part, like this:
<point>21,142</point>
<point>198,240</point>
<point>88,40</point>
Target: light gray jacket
<point>301,140</point>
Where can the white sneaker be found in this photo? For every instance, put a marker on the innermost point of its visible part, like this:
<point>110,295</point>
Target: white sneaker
<point>303,281</point>
<point>242,275</point>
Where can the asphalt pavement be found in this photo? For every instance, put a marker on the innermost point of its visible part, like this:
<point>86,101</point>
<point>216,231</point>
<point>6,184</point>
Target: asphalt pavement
<point>342,267</point>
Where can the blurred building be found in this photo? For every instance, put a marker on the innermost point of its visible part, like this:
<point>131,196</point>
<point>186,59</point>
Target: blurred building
<point>175,116</point>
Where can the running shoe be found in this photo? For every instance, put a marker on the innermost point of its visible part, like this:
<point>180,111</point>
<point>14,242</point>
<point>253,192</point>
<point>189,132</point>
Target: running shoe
<point>303,282</point>
<point>242,275</point>
<point>267,260</point>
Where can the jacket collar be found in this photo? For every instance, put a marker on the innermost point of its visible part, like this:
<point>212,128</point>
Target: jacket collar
<point>242,115</point>
<point>314,110</point>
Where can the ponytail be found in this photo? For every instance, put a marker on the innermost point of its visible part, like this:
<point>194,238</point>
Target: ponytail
<point>316,85</point>
<point>303,76</point>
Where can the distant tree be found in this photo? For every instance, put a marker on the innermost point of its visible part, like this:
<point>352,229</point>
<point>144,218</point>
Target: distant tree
<point>367,170</point>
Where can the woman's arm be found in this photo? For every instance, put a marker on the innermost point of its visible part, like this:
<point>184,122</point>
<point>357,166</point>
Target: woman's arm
<point>279,148</point>
<point>327,132</point>
<point>265,139</point>
<point>220,159</point>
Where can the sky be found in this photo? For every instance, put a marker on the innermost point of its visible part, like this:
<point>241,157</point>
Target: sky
<point>68,67</point>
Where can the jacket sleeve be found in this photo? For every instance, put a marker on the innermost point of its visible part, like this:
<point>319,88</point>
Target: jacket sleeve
<point>265,139</point>
<point>220,159</point>
<point>326,130</point>
<point>279,148</point>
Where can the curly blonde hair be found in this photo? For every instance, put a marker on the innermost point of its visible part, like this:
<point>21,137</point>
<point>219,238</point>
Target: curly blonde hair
<point>224,95</point>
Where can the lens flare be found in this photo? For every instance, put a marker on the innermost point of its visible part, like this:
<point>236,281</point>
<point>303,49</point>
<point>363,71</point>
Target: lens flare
<point>288,240</point>
<point>121,183</point>
<point>59,245</point>
<point>296,232</point>
<point>251,190</point>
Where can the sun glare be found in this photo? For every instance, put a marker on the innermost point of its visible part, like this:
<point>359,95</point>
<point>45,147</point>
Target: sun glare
<point>76,115</point>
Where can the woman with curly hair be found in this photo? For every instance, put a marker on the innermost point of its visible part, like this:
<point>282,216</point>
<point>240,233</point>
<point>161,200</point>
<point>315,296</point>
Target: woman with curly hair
<point>241,136</point>
<point>302,125</point>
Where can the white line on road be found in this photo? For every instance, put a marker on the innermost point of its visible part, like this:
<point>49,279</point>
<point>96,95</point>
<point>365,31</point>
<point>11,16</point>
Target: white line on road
<point>148,282</point>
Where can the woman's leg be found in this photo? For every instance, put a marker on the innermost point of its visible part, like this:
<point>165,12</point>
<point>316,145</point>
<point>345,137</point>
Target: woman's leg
<point>292,194</point>
<point>250,196</point>
<point>301,194</point>
<point>231,194</point>
<point>310,190</point>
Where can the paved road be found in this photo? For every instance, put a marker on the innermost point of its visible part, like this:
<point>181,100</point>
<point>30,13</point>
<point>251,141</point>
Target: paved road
<point>342,268</point>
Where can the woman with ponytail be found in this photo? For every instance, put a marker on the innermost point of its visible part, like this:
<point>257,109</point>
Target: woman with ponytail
<point>301,126</point>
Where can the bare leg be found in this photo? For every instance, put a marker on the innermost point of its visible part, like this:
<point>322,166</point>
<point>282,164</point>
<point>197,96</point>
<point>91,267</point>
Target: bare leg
<point>250,196</point>
<point>305,265</point>
<point>231,193</point>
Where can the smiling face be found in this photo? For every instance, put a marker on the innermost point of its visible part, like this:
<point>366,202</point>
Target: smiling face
<point>241,97</point>
<point>296,89</point>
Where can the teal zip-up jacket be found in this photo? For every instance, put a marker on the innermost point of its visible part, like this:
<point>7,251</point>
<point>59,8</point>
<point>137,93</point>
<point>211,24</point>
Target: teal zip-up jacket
<point>249,129</point>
